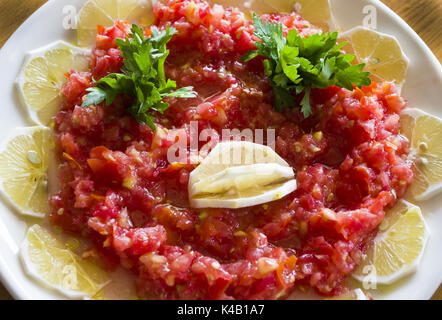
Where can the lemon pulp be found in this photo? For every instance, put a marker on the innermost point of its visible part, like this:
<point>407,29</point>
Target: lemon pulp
<point>50,262</point>
<point>398,247</point>
<point>23,170</point>
<point>106,12</point>
<point>43,74</point>
<point>381,53</point>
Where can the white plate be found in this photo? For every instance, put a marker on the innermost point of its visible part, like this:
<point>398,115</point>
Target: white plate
<point>423,90</point>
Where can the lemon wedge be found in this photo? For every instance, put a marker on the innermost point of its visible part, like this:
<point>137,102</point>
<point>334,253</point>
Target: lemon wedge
<point>239,174</point>
<point>356,294</point>
<point>381,53</point>
<point>398,246</point>
<point>48,261</point>
<point>425,134</point>
<point>43,74</point>
<point>106,12</point>
<point>23,170</point>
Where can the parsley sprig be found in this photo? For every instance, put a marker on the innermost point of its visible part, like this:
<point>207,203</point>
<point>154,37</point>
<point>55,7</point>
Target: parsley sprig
<point>142,76</point>
<point>298,64</point>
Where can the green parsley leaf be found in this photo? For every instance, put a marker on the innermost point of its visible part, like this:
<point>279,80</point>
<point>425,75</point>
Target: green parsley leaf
<point>95,96</point>
<point>143,76</point>
<point>297,64</point>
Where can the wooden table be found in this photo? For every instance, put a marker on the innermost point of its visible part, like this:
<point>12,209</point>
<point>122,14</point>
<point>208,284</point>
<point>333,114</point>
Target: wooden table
<point>424,16</point>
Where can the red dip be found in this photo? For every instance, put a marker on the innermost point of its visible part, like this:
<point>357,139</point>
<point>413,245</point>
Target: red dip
<point>119,190</point>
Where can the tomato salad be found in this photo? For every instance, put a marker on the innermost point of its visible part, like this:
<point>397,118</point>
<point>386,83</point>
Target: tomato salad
<point>118,189</point>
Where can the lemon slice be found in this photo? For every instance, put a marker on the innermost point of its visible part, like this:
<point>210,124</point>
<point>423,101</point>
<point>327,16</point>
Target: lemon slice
<point>43,74</point>
<point>317,12</point>
<point>239,174</point>
<point>106,12</point>
<point>381,53</point>
<point>23,170</point>
<point>356,294</point>
<point>425,134</point>
<point>48,261</point>
<point>398,247</point>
